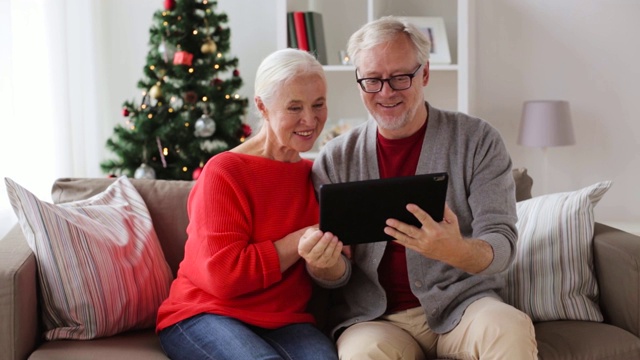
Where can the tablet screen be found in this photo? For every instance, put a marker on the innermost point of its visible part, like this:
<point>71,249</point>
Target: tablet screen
<point>357,211</point>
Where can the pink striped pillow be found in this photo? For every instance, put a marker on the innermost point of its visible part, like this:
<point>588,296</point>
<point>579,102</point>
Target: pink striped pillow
<point>100,265</point>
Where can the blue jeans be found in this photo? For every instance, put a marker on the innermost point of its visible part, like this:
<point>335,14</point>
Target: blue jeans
<point>210,336</point>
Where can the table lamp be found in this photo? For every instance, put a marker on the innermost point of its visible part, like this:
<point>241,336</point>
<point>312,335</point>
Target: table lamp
<point>546,123</point>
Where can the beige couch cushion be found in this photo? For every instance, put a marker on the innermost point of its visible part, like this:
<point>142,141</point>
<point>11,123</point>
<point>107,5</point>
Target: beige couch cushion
<point>138,345</point>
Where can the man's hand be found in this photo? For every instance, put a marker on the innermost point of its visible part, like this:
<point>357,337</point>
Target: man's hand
<point>441,241</point>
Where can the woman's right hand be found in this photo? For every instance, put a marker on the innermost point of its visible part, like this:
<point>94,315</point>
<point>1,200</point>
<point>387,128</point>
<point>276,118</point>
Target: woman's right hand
<point>320,250</point>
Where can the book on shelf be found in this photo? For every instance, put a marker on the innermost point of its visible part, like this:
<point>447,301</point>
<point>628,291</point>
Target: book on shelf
<point>301,30</point>
<point>315,36</point>
<point>305,31</point>
<point>292,40</point>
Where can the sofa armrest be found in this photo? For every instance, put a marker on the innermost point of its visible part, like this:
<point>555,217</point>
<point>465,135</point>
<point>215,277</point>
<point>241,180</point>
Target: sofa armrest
<point>19,311</point>
<point>617,265</point>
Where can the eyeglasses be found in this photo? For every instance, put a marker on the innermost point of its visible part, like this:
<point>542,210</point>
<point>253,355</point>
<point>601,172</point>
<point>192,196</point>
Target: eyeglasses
<point>396,82</point>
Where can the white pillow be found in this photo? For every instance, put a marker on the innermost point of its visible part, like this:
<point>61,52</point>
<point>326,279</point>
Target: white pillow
<point>101,268</point>
<point>552,277</point>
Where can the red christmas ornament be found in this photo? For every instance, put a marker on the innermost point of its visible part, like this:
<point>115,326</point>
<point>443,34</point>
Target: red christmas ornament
<point>125,112</point>
<point>216,81</point>
<point>236,72</point>
<point>196,173</point>
<point>190,97</point>
<point>182,58</point>
<point>169,4</point>
<point>246,130</point>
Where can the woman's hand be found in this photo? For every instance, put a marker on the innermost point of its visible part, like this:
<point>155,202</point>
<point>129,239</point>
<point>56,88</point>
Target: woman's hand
<point>320,250</point>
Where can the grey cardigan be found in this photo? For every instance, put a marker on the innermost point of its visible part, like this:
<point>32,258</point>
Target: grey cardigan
<point>481,193</point>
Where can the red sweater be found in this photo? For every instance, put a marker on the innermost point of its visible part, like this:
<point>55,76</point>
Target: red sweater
<point>238,207</point>
<point>398,157</point>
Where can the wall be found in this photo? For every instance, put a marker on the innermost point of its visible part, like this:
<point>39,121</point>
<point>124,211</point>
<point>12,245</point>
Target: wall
<point>582,51</point>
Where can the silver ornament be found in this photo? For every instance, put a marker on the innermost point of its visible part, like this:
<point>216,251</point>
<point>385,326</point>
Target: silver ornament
<point>205,126</point>
<point>145,172</point>
<point>167,51</point>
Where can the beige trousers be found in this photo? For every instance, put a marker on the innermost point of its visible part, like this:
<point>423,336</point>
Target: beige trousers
<point>488,330</point>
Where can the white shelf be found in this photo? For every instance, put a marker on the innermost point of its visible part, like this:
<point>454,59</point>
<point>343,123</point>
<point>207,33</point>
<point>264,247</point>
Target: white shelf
<point>449,85</point>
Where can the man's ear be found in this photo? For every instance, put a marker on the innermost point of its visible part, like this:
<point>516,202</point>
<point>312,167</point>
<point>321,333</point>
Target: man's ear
<point>425,74</point>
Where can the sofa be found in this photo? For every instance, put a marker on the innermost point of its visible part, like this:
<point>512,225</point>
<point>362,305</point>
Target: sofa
<point>616,262</point>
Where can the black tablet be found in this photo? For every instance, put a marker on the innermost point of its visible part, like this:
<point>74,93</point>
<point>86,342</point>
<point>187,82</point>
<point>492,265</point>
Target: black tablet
<point>357,211</point>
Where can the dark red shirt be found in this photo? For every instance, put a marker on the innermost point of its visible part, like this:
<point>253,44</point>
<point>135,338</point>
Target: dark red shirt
<point>398,158</point>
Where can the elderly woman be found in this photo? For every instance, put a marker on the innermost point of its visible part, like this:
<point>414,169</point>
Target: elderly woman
<point>242,290</point>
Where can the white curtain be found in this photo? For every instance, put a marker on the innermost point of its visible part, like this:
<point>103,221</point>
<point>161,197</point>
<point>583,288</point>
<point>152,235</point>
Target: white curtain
<point>49,124</point>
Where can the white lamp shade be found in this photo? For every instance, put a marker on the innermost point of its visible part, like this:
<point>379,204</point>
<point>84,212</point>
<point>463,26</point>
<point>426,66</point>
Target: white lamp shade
<point>546,123</point>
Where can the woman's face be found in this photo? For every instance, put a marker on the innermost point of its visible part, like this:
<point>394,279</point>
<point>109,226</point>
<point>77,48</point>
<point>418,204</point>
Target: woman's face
<point>295,116</point>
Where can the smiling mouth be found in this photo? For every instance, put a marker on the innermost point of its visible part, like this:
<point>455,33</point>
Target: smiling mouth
<point>389,106</point>
<point>304,133</point>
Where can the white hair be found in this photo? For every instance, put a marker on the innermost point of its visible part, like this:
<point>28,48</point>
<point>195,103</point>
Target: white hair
<point>281,66</point>
<point>386,29</point>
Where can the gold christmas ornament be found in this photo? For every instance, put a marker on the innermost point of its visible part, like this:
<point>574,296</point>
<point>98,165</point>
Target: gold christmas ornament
<point>209,47</point>
<point>155,91</point>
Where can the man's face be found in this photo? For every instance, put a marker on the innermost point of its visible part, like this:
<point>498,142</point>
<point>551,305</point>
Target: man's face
<point>394,110</point>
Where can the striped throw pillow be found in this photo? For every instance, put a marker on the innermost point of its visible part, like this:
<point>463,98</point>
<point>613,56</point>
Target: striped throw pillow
<point>101,268</point>
<point>552,276</point>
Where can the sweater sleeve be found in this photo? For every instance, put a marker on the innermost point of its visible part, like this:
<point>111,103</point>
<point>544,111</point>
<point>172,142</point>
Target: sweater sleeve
<point>492,200</point>
<point>481,188</point>
<point>220,256</point>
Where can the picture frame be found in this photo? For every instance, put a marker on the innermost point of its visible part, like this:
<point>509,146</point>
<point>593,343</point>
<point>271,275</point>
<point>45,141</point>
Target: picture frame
<point>435,30</point>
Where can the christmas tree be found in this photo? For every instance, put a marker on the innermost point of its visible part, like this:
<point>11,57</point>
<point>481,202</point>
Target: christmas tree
<point>189,110</point>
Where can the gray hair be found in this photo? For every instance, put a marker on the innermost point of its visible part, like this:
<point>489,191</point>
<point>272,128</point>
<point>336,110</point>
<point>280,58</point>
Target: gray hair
<point>386,29</point>
<point>281,66</point>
